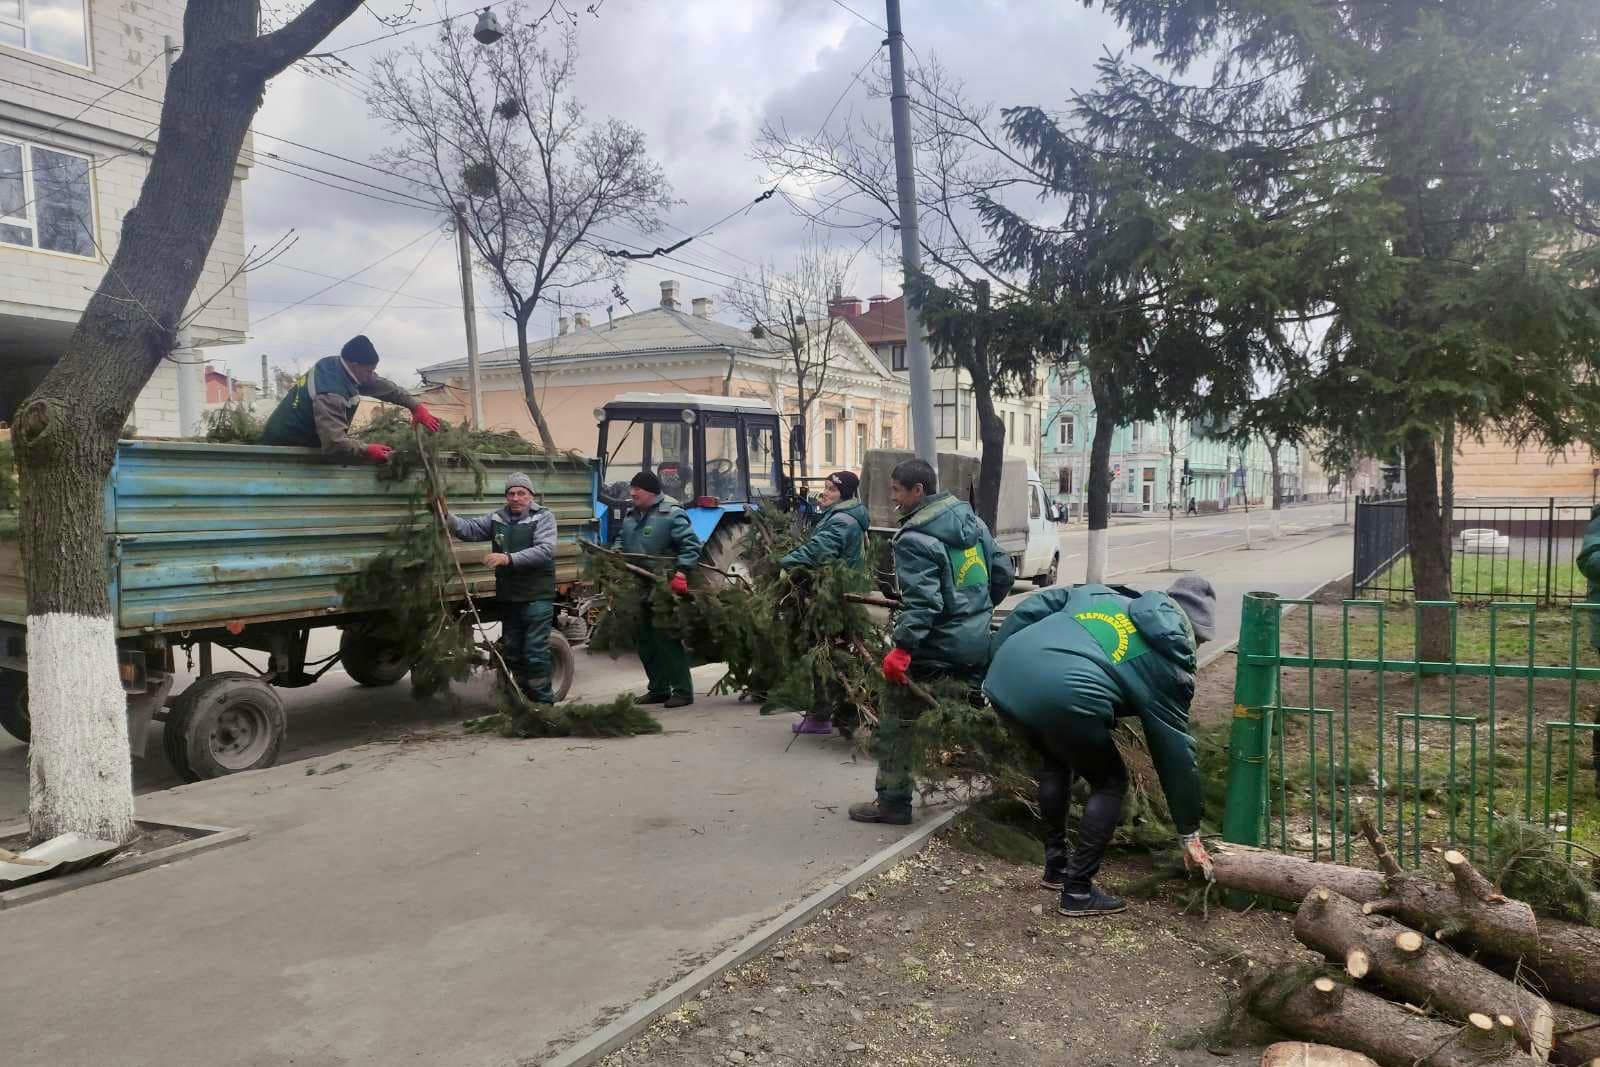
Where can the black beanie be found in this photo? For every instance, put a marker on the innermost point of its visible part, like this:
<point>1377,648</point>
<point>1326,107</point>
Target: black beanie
<point>647,481</point>
<point>846,483</point>
<point>359,350</point>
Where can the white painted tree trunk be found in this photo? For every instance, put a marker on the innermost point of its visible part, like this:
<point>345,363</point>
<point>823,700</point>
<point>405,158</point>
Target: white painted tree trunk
<point>1272,525</point>
<point>1095,566</point>
<point>80,775</point>
<point>1247,526</point>
<point>1172,539</point>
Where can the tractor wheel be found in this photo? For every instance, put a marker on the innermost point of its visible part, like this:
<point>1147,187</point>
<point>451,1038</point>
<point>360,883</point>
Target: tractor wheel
<point>725,550</point>
<point>369,660</point>
<point>563,665</point>
<point>14,705</point>
<point>223,724</point>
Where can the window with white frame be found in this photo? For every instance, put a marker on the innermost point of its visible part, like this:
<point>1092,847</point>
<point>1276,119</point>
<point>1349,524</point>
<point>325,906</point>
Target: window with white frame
<point>1067,431</point>
<point>944,412</point>
<point>1136,434</point>
<point>1027,427</point>
<point>55,28</point>
<point>830,436</point>
<point>46,198</point>
<point>966,416</point>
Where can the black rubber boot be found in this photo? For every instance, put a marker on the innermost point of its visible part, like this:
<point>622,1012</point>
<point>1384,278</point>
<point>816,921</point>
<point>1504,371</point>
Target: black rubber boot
<point>1055,787</point>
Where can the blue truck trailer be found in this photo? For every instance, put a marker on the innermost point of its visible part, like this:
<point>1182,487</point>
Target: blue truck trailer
<point>240,550</point>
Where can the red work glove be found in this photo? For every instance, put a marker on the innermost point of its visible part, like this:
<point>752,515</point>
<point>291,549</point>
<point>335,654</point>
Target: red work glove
<point>680,584</point>
<point>379,453</point>
<point>895,666</point>
<point>421,416</point>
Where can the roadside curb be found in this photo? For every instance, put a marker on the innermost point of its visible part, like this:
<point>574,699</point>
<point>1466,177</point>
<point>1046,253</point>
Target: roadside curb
<point>1217,653</point>
<point>637,1019</point>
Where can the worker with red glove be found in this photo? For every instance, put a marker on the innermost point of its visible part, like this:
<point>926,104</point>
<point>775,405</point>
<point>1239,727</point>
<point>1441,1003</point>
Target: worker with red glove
<point>657,526</point>
<point>316,412</point>
<point>951,574</point>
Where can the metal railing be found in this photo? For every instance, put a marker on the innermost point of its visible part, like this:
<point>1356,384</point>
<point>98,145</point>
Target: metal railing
<point>1500,550</point>
<point>1435,752</point>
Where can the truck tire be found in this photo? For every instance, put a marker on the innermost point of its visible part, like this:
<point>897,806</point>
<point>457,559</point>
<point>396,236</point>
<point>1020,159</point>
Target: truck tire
<point>223,724</point>
<point>1048,578</point>
<point>724,550</point>
<point>563,665</point>
<point>14,705</point>
<point>369,660</point>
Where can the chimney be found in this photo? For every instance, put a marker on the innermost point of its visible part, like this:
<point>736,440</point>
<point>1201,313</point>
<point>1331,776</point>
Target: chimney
<point>844,307</point>
<point>563,324</point>
<point>580,320</point>
<point>702,307</point>
<point>669,296</point>
<point>875,302</point>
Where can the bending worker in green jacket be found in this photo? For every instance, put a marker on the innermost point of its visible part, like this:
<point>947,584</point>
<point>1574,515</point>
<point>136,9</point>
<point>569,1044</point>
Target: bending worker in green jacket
<point>951,574</point>
<point>657,525</point>
<point>317,411</point>
<point>836,536</point>
<point>1589,564</point>
<point>1067,664</point>
<point>522,552</point>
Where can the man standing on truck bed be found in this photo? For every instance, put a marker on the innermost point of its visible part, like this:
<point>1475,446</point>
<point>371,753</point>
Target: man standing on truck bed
<point>522,553</point>
<point>951,575</point>
<point>836,536</point>
<point>316,412</point>
<point>657,526</point>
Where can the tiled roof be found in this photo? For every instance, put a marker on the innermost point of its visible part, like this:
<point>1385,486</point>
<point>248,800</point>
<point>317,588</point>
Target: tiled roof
<point>882,324</point>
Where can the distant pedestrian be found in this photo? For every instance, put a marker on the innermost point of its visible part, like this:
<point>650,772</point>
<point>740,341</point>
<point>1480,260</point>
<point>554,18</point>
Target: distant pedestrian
<point>1194,507</point>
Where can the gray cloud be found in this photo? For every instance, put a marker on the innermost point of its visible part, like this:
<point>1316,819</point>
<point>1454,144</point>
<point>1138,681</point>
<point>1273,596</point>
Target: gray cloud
<point>699,77</point>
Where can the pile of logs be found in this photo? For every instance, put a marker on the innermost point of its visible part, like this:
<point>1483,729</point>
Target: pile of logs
<point>1436,971</point>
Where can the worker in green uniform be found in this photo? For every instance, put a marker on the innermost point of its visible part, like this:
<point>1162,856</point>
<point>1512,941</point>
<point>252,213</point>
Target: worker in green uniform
<point>656,525</point>
<point>837,535</point>
<point>317,410</point>
<point>1589,564</point>
<point>951,574</point>
<point>522,553</point>
<point>1068,663</point>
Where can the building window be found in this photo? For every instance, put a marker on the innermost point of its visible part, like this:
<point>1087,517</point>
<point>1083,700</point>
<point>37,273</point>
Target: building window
<point>942,361</point>
<point>1065,481</point>
<point>966,416</point>
<point>1011,427</point>
<point>888,434</point>
<point>46,200</point>
<point>944,412</point>
<point>861,443</point>
<point>897,357</point>
<point>55,28</point>
<point>1027,427</point>
<point>1136,434</point>
<point>1067,431</point>
<point>830,433</point>
<point>1072,383</point>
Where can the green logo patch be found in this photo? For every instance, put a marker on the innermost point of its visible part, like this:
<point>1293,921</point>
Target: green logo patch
<point>1114,632</point>
<point>968,567</point>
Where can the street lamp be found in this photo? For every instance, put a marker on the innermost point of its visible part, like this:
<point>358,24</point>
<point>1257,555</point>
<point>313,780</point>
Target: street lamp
<point>488,30</point>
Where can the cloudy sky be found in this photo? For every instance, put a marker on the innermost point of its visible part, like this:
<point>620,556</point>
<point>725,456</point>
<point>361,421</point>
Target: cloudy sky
<point>699,77</point>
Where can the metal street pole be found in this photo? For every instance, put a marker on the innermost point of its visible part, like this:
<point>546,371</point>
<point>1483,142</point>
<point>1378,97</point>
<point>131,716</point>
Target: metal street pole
<point>910,247</point>
<point>469,308</point>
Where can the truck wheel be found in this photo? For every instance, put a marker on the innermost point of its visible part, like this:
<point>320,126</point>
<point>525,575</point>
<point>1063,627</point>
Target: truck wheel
<point>1048,578</point>
<point>563,665</point>
<point>223,724</point>
<point>14,705</point>
<point>369,660</point>
<point>725,551</point>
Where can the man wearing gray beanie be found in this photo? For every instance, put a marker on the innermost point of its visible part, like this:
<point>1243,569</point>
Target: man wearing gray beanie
<point>1065,666</point>
<point>522,554</point>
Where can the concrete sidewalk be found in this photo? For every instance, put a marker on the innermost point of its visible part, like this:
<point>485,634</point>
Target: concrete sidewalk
<point>462,902</point>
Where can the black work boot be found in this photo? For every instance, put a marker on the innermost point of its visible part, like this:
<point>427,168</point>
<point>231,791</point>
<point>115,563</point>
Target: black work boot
<point>1055,869</point>
<point>679,700</point>
<point>651,698</point>
<point>1090,903</point>
<point>872,811</point>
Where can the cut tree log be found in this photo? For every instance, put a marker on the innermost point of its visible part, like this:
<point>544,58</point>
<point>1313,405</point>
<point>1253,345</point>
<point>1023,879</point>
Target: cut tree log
<point>1560,963</point>
<point>1429,972</point>
<point>1324,1011</point>
<point>1307,1054</point>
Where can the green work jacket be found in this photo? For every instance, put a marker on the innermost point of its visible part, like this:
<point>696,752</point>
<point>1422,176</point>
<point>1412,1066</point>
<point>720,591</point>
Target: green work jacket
<point>1069,662</point>
<point>837,535</point>
<point>950,574</point>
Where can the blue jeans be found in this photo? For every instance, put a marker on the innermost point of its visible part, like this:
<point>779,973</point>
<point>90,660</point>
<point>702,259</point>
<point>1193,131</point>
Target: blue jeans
<point>525,631</point>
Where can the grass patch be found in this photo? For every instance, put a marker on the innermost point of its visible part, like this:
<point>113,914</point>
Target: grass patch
<point>1482,576</point>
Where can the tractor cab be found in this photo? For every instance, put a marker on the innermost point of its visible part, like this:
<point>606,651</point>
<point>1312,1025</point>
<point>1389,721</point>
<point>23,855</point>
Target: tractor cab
<point>717,456</point>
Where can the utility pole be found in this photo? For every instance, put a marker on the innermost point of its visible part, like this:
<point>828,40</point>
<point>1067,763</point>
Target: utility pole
<point>470,309</point>
<point>190,397</point>
<point>910,245</point>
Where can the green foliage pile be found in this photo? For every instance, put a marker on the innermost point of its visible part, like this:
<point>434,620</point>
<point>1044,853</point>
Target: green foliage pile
<point>232,424</point>
<point>1530,864</point>
<point>619,718</point>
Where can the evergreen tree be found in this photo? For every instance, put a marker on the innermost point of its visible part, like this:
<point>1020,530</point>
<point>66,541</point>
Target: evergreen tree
<point>1418,177</point>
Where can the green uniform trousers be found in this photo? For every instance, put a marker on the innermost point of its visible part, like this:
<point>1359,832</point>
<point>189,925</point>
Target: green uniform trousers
<point>666,662</point>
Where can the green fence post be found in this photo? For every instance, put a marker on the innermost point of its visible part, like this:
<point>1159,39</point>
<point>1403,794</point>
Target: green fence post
<point>1244,812</point>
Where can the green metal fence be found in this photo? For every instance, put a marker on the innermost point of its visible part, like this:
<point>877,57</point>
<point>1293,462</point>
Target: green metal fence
<point>1351,724</point>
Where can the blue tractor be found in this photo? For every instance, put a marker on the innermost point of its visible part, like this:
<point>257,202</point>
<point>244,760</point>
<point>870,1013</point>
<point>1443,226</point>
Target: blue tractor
<point>718,456</point>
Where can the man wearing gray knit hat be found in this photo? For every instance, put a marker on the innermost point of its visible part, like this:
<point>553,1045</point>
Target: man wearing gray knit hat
<point>1065,666</point>
<point>522,553</point>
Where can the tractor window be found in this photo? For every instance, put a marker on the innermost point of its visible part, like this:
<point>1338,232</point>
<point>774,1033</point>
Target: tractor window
<point>674,459</point>
<point>722,460</point>
<point>760,444</point>
<point>663,446</point>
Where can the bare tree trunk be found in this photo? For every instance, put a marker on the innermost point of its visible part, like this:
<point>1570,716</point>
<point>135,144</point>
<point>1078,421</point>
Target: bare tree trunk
<point>529,396</point>
<point>992,434</point>
<point>1273,451</point>
<point>1430,564</point>
<point>66,432</point>
<point>1447,487</point>
<point>1099,480</point>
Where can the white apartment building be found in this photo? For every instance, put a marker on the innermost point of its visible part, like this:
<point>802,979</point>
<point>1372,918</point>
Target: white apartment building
<point>80,88</point>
